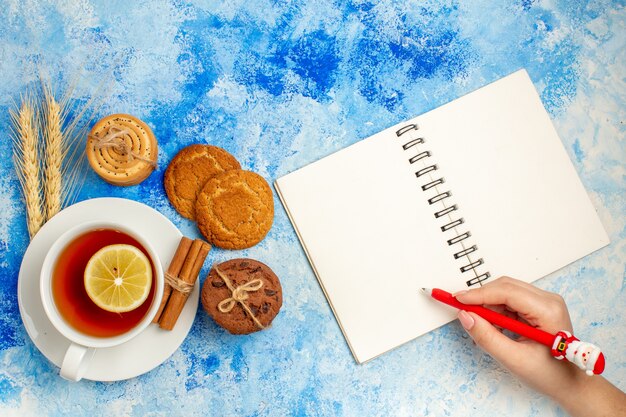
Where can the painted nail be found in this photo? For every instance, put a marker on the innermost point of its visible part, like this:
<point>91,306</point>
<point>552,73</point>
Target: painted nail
<point>456,294</point>
<point>466,320</point>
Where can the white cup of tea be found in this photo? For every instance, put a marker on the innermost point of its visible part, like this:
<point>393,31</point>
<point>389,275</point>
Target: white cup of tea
<point>69,308</point>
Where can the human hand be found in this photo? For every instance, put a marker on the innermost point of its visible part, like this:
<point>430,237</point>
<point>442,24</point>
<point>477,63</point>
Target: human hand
<point>530,361</point>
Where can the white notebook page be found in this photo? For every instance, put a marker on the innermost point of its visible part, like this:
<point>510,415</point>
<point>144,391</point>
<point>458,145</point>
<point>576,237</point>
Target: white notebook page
<point>373,241</point>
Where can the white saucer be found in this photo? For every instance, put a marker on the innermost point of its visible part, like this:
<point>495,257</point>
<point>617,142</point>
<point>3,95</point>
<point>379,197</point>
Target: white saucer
<point>137,356</point>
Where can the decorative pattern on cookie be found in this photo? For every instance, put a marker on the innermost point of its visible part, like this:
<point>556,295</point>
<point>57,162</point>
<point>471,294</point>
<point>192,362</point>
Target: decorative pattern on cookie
<point>242,295</point>
<point>189,170</point>
<point>122,149</point>
<point>235,209</point>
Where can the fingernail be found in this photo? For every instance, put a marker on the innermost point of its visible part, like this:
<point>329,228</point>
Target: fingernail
<point>456,294</point>
<point>466,320</point>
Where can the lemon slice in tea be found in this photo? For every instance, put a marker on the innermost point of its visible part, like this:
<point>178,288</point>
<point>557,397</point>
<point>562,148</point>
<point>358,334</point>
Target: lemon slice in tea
<point>118,278</point>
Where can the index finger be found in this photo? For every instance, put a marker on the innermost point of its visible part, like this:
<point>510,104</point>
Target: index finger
<point>501,292</point>
<point>538,307</point>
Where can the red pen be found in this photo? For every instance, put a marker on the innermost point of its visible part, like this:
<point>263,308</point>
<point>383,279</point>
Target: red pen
<point>563,345</point>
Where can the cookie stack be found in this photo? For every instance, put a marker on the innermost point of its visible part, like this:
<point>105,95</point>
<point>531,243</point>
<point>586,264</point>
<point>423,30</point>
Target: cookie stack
<point>122,149</point>
<point>234,208</point>
<point>242,295</point>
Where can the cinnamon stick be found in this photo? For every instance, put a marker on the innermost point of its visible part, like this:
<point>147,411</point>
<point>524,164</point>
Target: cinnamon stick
<point>176,264</point>
<point>189,273</point>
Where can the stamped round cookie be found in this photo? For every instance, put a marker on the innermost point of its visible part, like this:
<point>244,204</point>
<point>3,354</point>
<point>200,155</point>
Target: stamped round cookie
<point>235,209</point>
<point>122,149</point>
<point>189,171</point>
<point>242,295</point>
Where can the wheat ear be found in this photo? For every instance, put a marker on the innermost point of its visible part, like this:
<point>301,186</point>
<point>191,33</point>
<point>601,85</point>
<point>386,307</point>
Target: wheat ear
<point>26,160</point>
<point>53,155</point>
<point>73,128</point>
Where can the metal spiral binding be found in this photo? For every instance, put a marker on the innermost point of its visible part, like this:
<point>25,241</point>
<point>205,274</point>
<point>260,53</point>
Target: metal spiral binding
<point>426,173</point>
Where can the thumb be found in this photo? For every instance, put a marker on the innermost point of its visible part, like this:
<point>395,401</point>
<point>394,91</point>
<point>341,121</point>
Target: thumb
<point>492,341</point>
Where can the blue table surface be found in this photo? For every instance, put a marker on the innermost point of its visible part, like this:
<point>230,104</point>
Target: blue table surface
<point>282,84</point>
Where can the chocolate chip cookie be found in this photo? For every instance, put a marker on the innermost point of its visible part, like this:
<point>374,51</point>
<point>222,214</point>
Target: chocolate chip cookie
<point>242,295</point>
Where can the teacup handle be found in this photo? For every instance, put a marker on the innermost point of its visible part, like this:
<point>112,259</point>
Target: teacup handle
<point>76,361</point>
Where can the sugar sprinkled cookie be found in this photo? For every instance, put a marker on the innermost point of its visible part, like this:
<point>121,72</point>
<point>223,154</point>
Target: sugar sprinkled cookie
<point>235,209</point>
<point>122,149</point>
<point>189,171</point>
<point>242,295</point>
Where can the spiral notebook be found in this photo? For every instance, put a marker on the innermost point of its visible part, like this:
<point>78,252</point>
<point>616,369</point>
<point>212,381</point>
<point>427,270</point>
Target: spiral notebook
<point>478,188</point>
